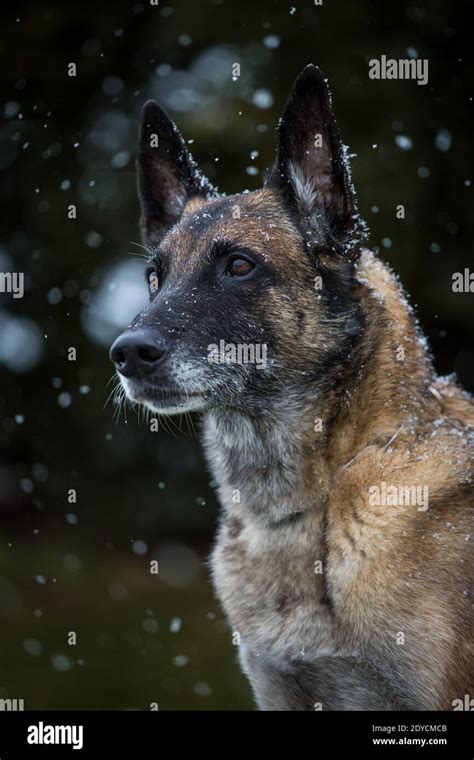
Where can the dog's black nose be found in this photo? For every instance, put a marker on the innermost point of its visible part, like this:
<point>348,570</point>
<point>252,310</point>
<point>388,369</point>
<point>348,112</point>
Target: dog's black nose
<point>136,354</point>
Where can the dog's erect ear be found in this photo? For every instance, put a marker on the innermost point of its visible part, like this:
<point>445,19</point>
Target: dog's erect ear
<point>167,174</point>
<point>312,169</point>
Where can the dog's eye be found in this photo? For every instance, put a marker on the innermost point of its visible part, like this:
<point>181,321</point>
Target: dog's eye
<point>239,267</point>
<point>153,281</point>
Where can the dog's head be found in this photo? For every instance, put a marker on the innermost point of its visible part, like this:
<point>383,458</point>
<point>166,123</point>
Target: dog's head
<point>252,296</point>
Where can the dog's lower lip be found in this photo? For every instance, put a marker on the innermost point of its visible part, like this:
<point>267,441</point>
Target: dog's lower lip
<point>174,394</point>
<point>164,394</point>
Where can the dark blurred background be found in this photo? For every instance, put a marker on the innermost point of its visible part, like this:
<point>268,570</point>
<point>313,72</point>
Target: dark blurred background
<point>84,566</point>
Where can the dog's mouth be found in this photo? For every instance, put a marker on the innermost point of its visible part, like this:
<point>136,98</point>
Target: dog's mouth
<point>166,399</point>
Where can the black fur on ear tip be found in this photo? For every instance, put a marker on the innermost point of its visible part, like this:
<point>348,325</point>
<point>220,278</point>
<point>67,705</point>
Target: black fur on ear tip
<point>153,116</point>
<point>150,111</point>
<point>311,84</point>
<point>312,74</point>
<point>148,104</point>
<point>311,69</point>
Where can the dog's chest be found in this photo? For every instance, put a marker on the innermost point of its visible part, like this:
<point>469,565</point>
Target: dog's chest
<point>271,583</point>
<point>269,560</point>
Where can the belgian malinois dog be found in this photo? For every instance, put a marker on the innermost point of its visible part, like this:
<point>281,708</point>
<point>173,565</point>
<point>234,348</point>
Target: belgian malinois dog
<point>344,464</point>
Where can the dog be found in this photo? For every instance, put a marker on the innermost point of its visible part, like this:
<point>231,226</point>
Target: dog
<point>344,465</point>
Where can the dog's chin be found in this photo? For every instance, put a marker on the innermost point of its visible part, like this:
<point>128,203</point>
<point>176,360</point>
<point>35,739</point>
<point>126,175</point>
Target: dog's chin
<point>165,401</point>
<point>176,406</point>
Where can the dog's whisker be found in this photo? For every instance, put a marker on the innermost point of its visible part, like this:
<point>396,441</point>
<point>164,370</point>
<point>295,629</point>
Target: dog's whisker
<point>133,242</point>
<point>114,390</point>
<point>113,376</point>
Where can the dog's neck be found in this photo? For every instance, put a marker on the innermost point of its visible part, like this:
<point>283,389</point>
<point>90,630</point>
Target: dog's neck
<point>283,461</point>
<point>259,462</point>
